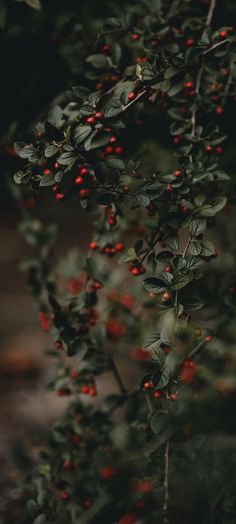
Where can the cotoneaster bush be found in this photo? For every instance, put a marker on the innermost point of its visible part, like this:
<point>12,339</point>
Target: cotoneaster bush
<point>151,288</point>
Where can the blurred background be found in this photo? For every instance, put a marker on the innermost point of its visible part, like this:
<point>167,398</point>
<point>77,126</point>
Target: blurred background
<point>41,56</point>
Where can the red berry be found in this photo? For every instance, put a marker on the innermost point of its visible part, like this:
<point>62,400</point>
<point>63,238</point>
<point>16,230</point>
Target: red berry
<point>132,95</point>
<point>85,390</point>
<point>79,180</point>
<point>157,394</point>
<point>173,396</point>
<point>184,209</point>
<point>56,165</point>
<point>109,150</point>
<point>68,464</point>
<point>135,271</point>
<point>147,385</point>
<point>91,322</point>
<point>99,115</point>
<point>189,42</point>
<point>208,338</point>
<point>60,196</point>
<point>93,245</point>
<point>90,120</point>
<point>46,172</point>
<point>84,171</point>
<point>178,173</point>
<point>74,375</point>
<point>125,189</point>
<point>208,149</point>
<point>113,139</point>
<point>188,85</point>
<point>219,110</point>
<point>169,188</point>
<point>107,473</point>
<point>223,34</point>
<point>97,284</point>
<point>135,37</point>
<point>119,246</point>
<point>58,344</point>
<point>84,192</point>
<point>92,392</point>
<point>112,221</point>
<point>145,486</point>
<point>65,495</point>
<point>88,504</point>
<point>177,139</point>
<point>168,269</point>
<point>76,439</point>
<point>106,48</point>
<point>219,150</point>
<point>119,150</point>
<point>129,518</point>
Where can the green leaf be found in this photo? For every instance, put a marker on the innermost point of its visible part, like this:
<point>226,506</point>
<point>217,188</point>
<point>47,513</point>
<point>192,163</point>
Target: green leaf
<point>81,133</point>
<point>218,203</point>
<point>180,281</point>
<point>67,158</point>
<point>164,379</point>
<point>173,242</point>
<point>142,199</point>
<point>192,304</point>
<point>164,256</point>
<point>154,285</point>
<point>101,139</point>
<point>167,326</point>
<point>55,116</point>
<point>195,247</point>
<point>113,106</point>
<point>158,421</point>
<point>121,436</point>
<point>50,150</point>
<point>116,163</point>
<point>110,402</point>
<point>208,248</point>
<point>22,178</point>
<point>197,226</point>
<point>151,342</point>
<point>100,61</point>
<point>47,180</point>
<point>41,519</point>
<point>35,4</point>
<point>193,262</point>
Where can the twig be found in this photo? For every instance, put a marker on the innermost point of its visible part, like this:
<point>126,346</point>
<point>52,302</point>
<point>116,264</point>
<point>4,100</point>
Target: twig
<point>117,376</point>
<point>229,81</point>
<point>166,479</point>
<point>196,349</point>
<point>210,12</point>
<point>149,404</point>
<point>187,246</point>
<point>213,47</point>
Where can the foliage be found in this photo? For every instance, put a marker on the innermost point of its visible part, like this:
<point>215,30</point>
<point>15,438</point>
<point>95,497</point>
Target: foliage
<point>146,454</point>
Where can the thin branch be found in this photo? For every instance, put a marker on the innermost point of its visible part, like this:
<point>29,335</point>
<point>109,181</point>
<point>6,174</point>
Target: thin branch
<point>166,479</point>
<point>117,377</point>
<point>213,47</point>
<point>149,405</point>
<point>187,246</point>
<point>196,349</point>
<point>229,81</point>
<point>210,12</point>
